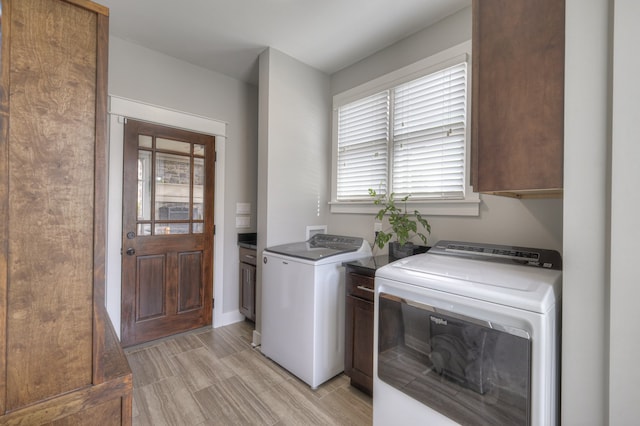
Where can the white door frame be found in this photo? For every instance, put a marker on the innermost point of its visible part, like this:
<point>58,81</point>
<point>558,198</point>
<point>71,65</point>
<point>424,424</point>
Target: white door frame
<point>119,109</point>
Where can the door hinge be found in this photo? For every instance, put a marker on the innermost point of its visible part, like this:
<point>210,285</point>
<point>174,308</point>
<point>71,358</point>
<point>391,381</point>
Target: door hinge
<point>215,156</point>
<point>214,230</point>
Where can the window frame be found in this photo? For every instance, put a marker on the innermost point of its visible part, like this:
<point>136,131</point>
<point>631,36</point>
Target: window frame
<point>467,206</point>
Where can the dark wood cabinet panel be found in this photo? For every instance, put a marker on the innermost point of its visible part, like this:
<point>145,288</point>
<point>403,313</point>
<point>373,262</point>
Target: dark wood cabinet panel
<point>248,283</point>
<point>359,317</point>
<point>518,97</point>
<point>359,351</point>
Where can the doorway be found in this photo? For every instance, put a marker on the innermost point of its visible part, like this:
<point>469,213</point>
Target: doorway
<point>167,231</point>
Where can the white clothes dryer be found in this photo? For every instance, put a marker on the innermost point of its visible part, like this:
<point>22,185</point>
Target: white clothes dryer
<point>468,334</point>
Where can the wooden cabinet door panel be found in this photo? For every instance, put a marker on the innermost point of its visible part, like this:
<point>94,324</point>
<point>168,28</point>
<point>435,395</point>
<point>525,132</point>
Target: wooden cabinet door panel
<point>359,348</point>
<point>247,290</point>
<point>51,153</point>
<point>60,360</point>
<point>518,96</point>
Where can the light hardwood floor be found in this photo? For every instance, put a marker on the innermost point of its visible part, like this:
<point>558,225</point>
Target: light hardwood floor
<point>215,377</point>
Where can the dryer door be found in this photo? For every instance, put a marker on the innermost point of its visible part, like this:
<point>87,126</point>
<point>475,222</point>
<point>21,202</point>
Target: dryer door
<point>468,369</point>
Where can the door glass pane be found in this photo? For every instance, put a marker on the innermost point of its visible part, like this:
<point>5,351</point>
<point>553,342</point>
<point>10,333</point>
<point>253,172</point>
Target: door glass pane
<point>173,178</point>
<point>198,150</point>
<point>198,188</point>
<point>171,145</point>
<point>144,185</point>
<point>144,229</point>
<point>171,228</point>
<point>145,141</point>
<point>198,228</point>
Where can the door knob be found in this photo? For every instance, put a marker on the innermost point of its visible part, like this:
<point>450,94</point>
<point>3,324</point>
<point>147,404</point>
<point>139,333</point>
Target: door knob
<point>131,251</point>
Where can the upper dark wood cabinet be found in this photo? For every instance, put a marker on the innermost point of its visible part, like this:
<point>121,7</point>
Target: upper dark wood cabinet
<point>518,97</point>
<point>60,360</point>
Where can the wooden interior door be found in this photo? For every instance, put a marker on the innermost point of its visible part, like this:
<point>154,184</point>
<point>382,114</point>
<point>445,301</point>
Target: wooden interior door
<point>167,226</point>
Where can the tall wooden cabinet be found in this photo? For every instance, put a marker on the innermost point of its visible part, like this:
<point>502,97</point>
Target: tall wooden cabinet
<point>518,97</point>
<point>60,361</point>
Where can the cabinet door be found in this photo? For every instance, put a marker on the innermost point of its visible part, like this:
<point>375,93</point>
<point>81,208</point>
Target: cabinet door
<point>359,347</point>
<point>518,97</point>
<point>50,149</point>
<point>60,360</point>
<point>247,290</point>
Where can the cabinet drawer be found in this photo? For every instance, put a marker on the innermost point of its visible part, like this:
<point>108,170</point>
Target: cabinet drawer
<point>247,256</point>
<point>360,286</point>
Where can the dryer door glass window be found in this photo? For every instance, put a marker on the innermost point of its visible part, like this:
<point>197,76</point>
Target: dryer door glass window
<point>472,371</point>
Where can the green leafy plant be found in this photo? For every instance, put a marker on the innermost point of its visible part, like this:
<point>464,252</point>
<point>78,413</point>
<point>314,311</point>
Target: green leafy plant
<point>403,224</point>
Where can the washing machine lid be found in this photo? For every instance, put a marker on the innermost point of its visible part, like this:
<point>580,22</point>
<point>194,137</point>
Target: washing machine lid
<point>320,246</point>
<point>493,279</point>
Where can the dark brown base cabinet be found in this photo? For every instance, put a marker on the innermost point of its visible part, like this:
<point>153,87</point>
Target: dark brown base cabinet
<point>358,362</point>
<point>248,283</point>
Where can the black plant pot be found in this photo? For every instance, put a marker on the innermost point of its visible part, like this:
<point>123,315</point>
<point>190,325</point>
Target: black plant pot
<point>398,251</point>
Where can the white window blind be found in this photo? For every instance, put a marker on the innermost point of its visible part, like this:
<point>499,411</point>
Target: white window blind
<point>409,139</point>
<point>363,145</point>
<point>429,127</point>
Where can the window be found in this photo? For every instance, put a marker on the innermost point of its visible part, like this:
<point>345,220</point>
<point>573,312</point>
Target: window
<point>405,134</point>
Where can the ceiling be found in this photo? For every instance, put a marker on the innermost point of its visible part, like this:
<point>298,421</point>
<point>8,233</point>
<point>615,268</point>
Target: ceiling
<point>228,35</point>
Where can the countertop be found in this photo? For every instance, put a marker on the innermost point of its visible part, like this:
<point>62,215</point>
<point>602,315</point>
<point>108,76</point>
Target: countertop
<point>369,265</point>
<point>248,240</point>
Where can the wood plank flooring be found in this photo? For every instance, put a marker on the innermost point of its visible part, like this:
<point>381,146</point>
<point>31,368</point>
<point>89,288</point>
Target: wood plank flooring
<point>215,377</point>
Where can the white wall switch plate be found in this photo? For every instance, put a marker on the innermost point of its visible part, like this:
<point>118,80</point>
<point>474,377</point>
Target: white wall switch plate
<point>243,208</point>
<point>243,221</point>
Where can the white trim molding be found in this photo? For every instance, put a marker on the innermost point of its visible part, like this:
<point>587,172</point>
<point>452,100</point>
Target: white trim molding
<point>168,117</point>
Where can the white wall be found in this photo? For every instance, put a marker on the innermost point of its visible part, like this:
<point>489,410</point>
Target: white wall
<point>585,299</point>
<point>295,135</point>
<point>294,153</point>
<point>145,75</point>
<point>440,36</point>
<point>533,223</point>
<point>624,374</point>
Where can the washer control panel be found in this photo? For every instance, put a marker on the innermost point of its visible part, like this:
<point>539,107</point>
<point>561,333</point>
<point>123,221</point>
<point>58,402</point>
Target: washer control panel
<point>548,259</point>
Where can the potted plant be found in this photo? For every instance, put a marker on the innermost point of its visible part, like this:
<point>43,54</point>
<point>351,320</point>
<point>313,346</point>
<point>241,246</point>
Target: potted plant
<point>404,226</point>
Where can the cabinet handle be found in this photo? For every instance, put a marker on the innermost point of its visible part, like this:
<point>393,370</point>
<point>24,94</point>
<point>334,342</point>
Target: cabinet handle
<point>370,290</point>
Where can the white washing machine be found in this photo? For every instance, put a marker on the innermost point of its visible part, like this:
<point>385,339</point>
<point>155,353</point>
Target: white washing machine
<point>303,298</point>
<point>468,334</point>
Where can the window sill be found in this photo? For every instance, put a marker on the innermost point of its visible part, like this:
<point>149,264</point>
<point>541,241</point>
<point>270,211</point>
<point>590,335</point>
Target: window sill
<point>467,207</point>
